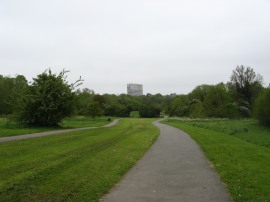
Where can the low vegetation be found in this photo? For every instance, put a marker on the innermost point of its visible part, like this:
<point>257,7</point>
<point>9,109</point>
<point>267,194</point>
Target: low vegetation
<point>238,149</point>
<point>77,166</point>
<point>10,128</point>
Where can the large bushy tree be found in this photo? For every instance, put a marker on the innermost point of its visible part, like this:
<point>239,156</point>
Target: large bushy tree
<point>49,99</point>
<point>244,86</point>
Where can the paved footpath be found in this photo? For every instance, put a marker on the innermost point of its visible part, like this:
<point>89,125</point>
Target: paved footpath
<point>174,169</point>
<point>55,132</point>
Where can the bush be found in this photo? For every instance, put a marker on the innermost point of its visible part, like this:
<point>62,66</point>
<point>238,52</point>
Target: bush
<point>48,100</point>
<point>262,107</point>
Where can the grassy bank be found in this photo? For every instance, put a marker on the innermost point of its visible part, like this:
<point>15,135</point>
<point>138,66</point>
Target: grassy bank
<point>11,129</point>
<point>240,152</point>
<point>78,166</point>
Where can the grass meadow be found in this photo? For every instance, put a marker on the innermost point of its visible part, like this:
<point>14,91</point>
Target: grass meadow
<point>76,166</point>
<point>10,128</point>
<point>239,150</point>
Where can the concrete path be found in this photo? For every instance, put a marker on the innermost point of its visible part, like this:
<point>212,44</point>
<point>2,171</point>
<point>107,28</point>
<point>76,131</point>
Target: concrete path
<point>174,169</point>
<point>55,132</point>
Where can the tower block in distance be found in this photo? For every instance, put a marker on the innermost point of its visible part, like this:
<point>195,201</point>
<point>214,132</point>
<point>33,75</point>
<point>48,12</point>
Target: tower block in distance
<point>135,89</point>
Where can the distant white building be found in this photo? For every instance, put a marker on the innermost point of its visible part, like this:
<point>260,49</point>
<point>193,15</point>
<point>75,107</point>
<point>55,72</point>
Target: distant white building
<point>134,89</point>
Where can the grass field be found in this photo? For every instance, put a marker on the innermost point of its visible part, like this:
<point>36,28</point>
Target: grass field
<point>240,152</point>
<point>77,166</point>
<point>11,129</point>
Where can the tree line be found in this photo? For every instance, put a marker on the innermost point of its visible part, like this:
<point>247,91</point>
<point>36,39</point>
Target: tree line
<point>50,98</point>
<point>238,98</point>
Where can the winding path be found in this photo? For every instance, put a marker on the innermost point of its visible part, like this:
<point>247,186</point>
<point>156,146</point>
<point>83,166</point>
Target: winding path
<point>55,132</point>
<point>173,169</point>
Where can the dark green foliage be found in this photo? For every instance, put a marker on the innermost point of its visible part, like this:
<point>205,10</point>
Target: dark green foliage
<point>167,103</point>
<point>49,99</point>
<point>119,106</point>
<point>216,101</point>
<point>10,90</point>
<point>149,108</point>
<point>196,109</point>
<point>179,106</point>
<point>262,107</point>
<point>94,109</point>
<point>84,97</point>
<point>203,101</point>
<point>149,111</point>
<point>96,106</point>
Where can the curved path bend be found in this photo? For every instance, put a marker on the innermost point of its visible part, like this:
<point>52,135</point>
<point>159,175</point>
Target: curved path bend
<point>173,169</point>
<point>55,132</point>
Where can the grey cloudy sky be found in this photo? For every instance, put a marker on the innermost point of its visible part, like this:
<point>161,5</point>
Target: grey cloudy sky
<point>169,46</point>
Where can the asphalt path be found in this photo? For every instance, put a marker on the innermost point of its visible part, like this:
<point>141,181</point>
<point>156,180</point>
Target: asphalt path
<point>55,132</point>
<point>173,169</point>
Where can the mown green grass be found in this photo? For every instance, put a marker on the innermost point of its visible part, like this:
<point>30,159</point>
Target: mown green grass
<point>11,129</point>
<point>239,151</point>
<point>77,166</point>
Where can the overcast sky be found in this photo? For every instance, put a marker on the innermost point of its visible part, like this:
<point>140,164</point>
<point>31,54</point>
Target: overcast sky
<point>169,46</point>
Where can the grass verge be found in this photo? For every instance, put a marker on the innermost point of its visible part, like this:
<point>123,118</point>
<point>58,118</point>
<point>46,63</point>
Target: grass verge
<point>238,150</point>
<point>11,129</point>
<point>77,166</point>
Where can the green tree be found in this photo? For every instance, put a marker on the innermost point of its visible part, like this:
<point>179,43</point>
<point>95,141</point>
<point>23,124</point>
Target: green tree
<point>49,99</point>
<point>148,108</point>
<point>149,111</point>
<point>94,109</point>
<point>167,104</point>
<point>216,101</point>
<point>262,107</point>
<point>199,92</point>
<point>244,86</point>
<point>84,97</point>
<point>179,106</point>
